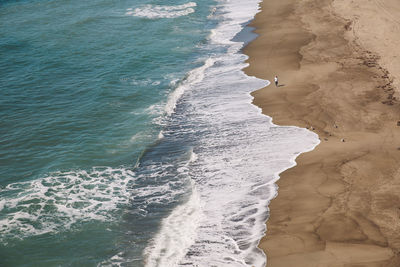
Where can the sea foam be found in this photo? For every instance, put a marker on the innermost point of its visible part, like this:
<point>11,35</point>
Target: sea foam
<point>194,76</point>
<point>239,155</point>
<point>61,199</point>
<point>177,234</point>
<point>158,11</point>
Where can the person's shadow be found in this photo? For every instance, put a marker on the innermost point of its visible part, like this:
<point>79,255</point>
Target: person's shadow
<point>280,85</point>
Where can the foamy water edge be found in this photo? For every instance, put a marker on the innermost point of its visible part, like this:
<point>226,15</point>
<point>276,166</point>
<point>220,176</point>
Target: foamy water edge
<point>235,17</point>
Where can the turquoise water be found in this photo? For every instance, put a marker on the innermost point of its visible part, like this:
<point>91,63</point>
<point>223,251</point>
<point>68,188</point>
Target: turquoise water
<point>128,137</point>
<point>83,84</point>
<point>77,78</point>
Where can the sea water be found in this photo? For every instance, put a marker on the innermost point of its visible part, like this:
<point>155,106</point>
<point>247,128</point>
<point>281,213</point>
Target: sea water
<point>128,137</point>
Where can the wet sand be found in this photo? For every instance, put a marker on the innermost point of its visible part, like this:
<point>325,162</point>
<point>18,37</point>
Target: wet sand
<point>339,72</point>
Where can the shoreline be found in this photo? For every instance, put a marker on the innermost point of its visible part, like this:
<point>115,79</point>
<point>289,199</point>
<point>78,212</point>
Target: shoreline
<point>340,204</point>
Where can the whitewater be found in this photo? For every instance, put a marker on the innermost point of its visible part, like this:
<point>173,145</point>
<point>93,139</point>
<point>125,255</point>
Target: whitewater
<point>153,154</point>
<point>239,154</point>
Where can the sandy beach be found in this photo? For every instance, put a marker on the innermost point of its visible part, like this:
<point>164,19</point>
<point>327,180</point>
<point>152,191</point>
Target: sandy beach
<point>339,69</point>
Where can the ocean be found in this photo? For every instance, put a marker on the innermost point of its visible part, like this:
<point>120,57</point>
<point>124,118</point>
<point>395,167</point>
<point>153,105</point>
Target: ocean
<point>128,137</point>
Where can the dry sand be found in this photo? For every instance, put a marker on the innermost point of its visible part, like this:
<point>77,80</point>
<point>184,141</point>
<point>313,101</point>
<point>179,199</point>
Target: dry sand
<point>339,63</point>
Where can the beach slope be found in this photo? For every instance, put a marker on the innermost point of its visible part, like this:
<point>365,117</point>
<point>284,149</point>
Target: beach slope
<point>336,62</point>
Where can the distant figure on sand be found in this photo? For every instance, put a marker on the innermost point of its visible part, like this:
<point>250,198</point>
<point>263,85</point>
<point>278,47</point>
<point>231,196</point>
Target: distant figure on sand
<point>276,81</point>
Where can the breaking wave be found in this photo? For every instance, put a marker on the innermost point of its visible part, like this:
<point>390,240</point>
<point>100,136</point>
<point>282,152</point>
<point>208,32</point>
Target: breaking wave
<point>158,11</point>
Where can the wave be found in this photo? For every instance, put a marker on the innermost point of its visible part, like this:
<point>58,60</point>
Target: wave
<point>61,199</point>
<point>157,11</point>
<point>177,234</point>
<point>193,77</point>
<point>238,154</point>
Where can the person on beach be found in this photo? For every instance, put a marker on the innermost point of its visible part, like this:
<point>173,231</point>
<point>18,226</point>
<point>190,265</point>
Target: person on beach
<point>276,81</point>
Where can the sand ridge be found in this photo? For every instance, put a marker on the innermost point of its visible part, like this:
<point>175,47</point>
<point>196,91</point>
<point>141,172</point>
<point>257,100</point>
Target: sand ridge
<point>340,206</point>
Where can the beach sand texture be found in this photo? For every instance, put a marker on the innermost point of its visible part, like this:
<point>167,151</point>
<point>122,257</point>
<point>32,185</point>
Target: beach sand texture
<point>339,65</point>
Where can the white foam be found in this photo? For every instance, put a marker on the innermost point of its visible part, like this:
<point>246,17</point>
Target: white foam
<point>173,82</point>
<point>157,11</point>
<point>2,203</point>
<point>160,135</point>
<point>140,82</point>
<point>56,202</point>
<point>212,34</point>
<point>116,260</point>
<point>177,234</point>
<point>193,157</point>
<point>238,155</point>
<point>193,77</point>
